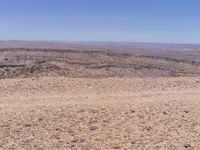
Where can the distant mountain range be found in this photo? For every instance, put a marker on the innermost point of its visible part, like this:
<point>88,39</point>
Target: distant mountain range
<point>94,44</point>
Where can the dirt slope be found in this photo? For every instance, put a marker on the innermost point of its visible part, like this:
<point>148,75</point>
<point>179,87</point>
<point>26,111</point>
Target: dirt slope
<point>113,113</point>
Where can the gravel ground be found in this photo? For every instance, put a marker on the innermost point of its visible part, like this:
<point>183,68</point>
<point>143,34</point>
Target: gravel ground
<point>113,113</point>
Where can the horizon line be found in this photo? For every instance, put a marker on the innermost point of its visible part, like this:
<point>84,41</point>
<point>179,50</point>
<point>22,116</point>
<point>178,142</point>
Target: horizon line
<point>99,41</point>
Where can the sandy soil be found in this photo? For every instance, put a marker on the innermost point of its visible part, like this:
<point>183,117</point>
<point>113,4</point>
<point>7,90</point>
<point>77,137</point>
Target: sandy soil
<point>112,113</point>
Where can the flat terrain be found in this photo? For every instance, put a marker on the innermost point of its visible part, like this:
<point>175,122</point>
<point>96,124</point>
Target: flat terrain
<point>104,113</point>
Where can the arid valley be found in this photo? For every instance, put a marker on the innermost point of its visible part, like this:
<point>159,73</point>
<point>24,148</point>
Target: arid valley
<point>100,75</point>
<point>101,97</point>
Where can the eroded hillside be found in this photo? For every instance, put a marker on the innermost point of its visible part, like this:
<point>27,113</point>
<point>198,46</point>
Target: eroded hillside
<point>22,62</point>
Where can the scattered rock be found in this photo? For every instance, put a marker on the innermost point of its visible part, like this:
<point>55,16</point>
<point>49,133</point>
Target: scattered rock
<point>27,125</point>
<point>165,113</point>
<point>187,146</point>
<point>186,111</point>
<point>6,59</point>
<point>93,128</point>
<point>115,147</point>
<point>132,111</point>
<point>133,142</point>
<point>40,119</point>
<point>179,126</point>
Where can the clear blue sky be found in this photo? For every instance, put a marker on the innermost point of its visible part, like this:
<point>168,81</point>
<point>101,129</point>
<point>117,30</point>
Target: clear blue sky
<point>101,20</point>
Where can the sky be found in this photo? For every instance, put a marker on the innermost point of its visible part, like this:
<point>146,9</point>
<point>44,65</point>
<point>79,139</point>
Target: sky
<point>163,21</point>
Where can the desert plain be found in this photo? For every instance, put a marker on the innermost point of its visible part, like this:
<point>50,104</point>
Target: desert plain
<point>53,99</point>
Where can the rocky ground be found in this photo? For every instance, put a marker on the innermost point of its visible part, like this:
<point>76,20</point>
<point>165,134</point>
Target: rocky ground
<point>108,113</point>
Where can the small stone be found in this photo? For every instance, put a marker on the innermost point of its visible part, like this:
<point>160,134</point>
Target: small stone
<point>116,147</point>
<point>70,131</point>
<point>133,142</point>
<point>132,111</point>
<point>187,145</point>
<point>165,113</point>
<point>57,129</point>
<point>27,125</point>
<point>186,111</point>
<point>72,145</point>
<point>148,128</point>
<point>40,119</point>
<point>93,128</point>
<point>82,140</point>
<point>74,140</point>
<point>93,121</point>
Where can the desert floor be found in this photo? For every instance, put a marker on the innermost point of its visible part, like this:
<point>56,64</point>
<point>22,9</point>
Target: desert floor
<point>112,113</point>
